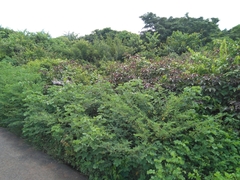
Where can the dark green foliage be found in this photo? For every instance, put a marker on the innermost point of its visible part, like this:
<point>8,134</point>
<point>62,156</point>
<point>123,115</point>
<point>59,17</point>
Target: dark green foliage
<point>166,26</point>
<point>100,34</point>
<point>234,33</point>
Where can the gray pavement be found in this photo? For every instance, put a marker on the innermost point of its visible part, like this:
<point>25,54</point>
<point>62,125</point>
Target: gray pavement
<point>19,161</point>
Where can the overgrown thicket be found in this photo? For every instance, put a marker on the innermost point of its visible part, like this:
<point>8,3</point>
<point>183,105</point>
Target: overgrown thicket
<point>164,104</point>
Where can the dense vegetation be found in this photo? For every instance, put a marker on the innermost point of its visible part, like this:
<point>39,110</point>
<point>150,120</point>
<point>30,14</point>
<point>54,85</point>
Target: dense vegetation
<point>164,104</point>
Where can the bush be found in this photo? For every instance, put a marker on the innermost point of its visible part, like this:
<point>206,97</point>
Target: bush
<point>130,132</point>
<point>15,85</point>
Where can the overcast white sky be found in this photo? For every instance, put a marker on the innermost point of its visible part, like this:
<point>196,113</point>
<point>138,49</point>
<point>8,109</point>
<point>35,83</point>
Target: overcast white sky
<point>58,17</point>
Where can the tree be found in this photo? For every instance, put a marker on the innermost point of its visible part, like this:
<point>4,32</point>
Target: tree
<point>100,34</point>
<point>166,26</point>
<point>234,33</point>
<point>178,42</point>
<point>71,36</point>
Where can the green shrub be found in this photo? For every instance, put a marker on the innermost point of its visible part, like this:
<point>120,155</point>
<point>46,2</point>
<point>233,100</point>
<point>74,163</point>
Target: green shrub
<point>130,132</point>
<point>15,84</point>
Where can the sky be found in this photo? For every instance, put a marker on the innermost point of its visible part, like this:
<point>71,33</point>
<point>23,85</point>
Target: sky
<point>59,17</point>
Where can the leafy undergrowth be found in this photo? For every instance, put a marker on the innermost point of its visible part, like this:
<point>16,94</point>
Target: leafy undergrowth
<point>131,132</point>
<point>172,117</point>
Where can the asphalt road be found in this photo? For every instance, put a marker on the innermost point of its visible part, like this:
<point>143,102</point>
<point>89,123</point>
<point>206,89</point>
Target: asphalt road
<point>19,161</point>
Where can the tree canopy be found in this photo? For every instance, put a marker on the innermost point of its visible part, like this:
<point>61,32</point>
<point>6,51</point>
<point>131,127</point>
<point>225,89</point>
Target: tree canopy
<point>166,26</point>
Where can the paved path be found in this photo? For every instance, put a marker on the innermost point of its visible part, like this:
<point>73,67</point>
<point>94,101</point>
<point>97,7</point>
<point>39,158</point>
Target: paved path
<point>19,161</point>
